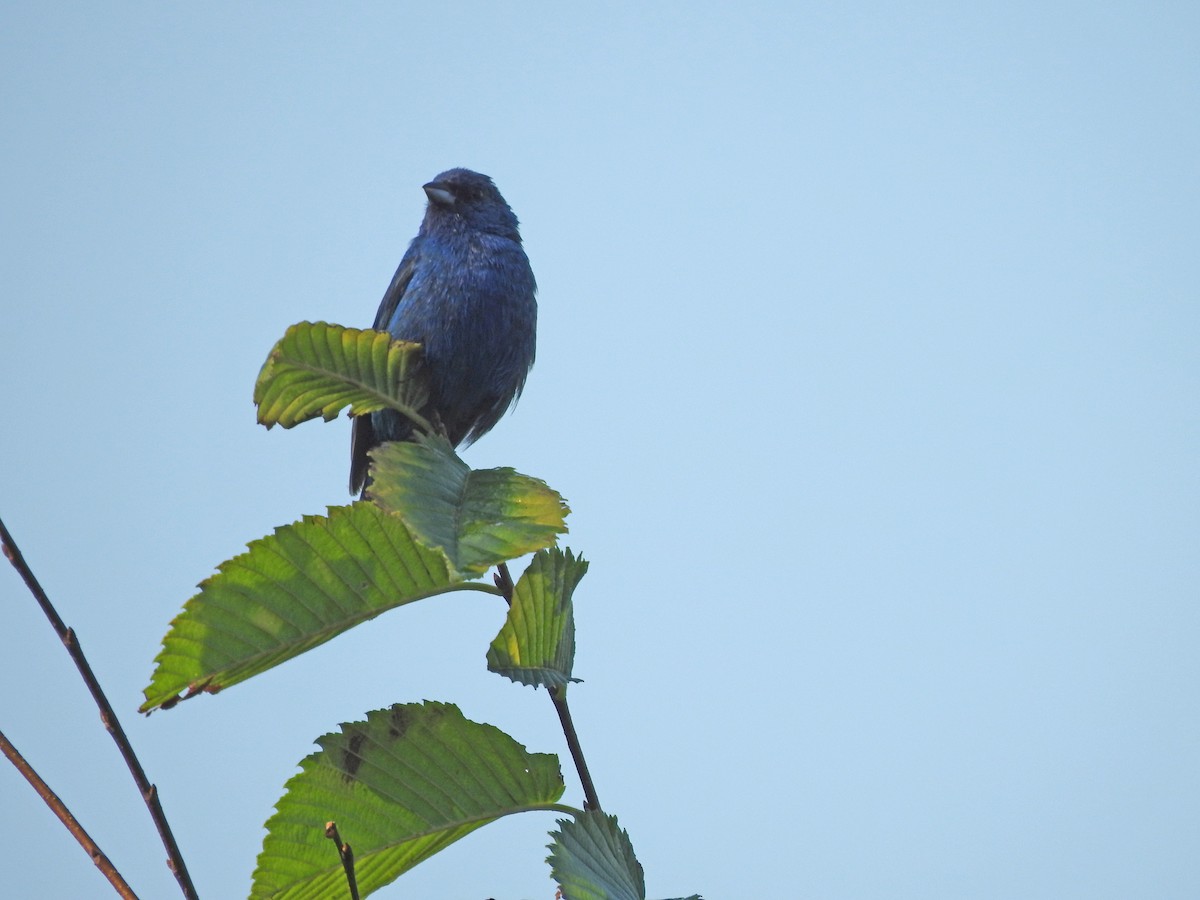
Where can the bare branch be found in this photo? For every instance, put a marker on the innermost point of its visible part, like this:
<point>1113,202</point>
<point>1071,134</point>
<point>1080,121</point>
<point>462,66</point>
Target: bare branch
<point>72,824</point>
<point>148,791</point>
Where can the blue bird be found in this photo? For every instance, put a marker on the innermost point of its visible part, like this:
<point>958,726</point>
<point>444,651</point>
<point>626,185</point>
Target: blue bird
<point>464,291</point>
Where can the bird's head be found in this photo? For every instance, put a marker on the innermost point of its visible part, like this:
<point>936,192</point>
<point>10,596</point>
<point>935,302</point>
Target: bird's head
<point>461,198</point>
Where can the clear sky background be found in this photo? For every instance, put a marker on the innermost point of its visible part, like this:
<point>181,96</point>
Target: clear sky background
<point>868,363</point>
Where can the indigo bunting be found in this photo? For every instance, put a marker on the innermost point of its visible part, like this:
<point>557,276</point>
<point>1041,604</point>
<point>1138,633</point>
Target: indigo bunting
<point>464,291</point>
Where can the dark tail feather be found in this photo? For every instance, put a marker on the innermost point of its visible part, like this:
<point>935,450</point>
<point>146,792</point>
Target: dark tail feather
<point>362,441</point>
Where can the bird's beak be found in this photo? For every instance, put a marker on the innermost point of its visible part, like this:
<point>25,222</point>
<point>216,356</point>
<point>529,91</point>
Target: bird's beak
<point>439,194</point>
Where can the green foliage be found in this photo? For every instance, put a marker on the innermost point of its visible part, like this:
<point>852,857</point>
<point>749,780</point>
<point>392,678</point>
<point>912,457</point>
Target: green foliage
<point>318,369</point>
<point>414,778</point>
<point>401,786</point>
<point>536,644</point>
<point>314,579</point>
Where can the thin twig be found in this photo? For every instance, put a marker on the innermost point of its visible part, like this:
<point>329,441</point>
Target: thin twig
<point>346,855</point>
<point>148,791</point>
<point>60,809</point>
<point>559,696</point>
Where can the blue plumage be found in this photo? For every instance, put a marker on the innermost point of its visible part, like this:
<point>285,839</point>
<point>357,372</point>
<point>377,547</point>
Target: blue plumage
<point>464,290</point>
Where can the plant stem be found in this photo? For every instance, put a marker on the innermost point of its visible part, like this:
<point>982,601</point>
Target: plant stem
<point>72,824</point>
<point>559,696</point>
<point>148,791</point>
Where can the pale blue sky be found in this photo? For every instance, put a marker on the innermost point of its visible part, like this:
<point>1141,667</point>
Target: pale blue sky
<point>867,361</point>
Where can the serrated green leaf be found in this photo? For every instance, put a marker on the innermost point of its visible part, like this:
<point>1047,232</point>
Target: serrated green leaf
<point>592,859</point>
<point>293,590</point>
<point>536,644</point>
<point>318,369</point>
<point>402,785</point>
<point>478,517</point>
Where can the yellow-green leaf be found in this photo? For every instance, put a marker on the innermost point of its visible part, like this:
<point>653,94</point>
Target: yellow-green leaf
<point>478,517</point>
<point>318,369</point>
<point>536,644</point>
<point>293,590</point>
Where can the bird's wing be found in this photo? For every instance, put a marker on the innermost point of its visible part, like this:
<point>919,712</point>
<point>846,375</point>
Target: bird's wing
<point>395,292</point>
<point>362,437</point>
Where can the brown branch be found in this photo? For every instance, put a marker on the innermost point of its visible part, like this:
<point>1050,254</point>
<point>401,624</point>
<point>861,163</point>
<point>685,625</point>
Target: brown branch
<point>148,791</point>
<point>72,824</point>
